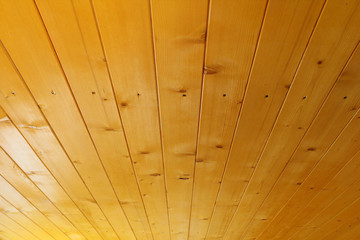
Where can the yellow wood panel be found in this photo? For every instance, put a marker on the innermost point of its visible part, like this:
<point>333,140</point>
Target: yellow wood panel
<point>25,157</point>
<point>48,85</point>
<point>333,117</point>
<point>18,217</point>
<point>169,119</point>
<point>348,231</point>
<point>342,151</point>
<point>340,191</point>
<point>335,189</point>
<point>125,28</point>
<point>232,35</point>
<point>338,205</point>
<point>17,228</point>
<point>319,69</point>
<point>48,223</point>
<point>344,217</point>
<point>26,115</point>
<point>269,81</point>
<point>76,41</point>
<point>179,29</point>
<point>19,180</point>
<point>7,234</point>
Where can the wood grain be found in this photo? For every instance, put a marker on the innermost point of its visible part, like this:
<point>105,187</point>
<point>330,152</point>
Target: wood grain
<point>268,85</point>
<point>52,94</point>
<point>179,29</point>
<point>86,71</point>
<point>330,122</point>
<point>126,31</point>
<point>182,120</point>
<point>318,71</point>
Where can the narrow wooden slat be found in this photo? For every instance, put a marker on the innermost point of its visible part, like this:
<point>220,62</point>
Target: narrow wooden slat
<point>125,28</point>
<point>47,83</point>
<point>15,227</point>
<point>46,222</point>
<point>179,29</point>
<point>7,234</point>
<point>13,213</point>
<point>38,173</point>
<point>338,205</point>
<point>25,113</point>
<point>318,71</point>
<point>341,152</point>
<point>269,81</point>
<point>231,39</point>
<point>334,192</point>
<point>310,199</point>
<point>78,46</point>
<point>344,217</point>
<point>333,117</point>
<point>348,231</point>
<point>19,180</point>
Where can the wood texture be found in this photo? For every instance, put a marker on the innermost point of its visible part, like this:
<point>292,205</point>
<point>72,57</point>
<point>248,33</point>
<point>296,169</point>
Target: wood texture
<point>315,77</point>
<point>179,119</point>
<point>179,29</point>
<point>126,31</point>
<point>268,84</point>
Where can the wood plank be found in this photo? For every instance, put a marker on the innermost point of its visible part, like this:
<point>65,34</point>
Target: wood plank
<point>125,28</point>
<point>335,189</point>
<point>339,204</point>
<point>269,81</point>
<point>309,201</point>
<point>27,117</point>
<point>28,190</point>
<point>7,234</point>
<point>15,227</point>
<point>179,29</point>
<point>341,188</point>
<point>224,89</point>
<point>344,217</point>
<point>348,231</point>
<point>232,36</point>
<point>76,41</point>
<point>317,73</point>
<point>13,213</point>
<point>330,122</point>
<point>336,158</point>
<point>47,83</point>
<point>48,223</point>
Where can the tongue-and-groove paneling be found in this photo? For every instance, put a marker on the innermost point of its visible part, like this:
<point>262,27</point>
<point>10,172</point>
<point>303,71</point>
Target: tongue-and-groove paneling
<point>169,119</point>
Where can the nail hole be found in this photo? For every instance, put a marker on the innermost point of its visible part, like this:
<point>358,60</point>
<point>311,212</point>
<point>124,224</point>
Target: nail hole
<point>184,178</point>
<point>13,93</point>
<point>304,97</point>
<point>319,62</point>
<point>53,92</point>
<point>266,96</point>
<point>92,93</point>
<point>345,97</point>
<point>224,95</point>
<point>138,94</point>
<point>184,95</point>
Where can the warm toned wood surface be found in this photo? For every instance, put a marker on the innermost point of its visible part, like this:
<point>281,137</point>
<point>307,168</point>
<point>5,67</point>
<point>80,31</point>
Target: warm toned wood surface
<point>159,120</point>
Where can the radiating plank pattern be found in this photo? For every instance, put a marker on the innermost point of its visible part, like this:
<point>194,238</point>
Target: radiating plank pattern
<point>179,119</point>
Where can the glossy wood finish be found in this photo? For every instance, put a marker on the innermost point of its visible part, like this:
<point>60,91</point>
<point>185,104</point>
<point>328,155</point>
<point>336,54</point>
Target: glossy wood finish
<point>159,120</point>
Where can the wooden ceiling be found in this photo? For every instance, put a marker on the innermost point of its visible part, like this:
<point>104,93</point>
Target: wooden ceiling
<point>179,119</point>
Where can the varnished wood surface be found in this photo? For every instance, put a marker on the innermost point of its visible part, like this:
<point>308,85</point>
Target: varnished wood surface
<point>182,120</point>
